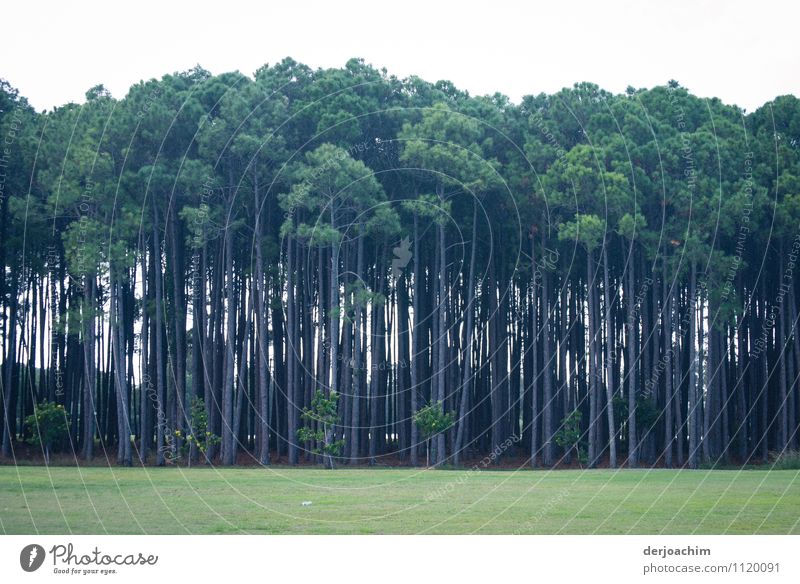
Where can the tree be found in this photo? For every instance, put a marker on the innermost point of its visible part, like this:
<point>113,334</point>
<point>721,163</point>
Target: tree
<point>569,435</point>
<point>432,422</point>
<point>322,415</point>
<point>197,434</point>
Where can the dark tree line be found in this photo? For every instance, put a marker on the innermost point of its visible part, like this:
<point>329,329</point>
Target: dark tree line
<point>620,269</point>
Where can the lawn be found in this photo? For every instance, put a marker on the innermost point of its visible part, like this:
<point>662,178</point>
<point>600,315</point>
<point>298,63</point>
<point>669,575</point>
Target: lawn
<point>364,501</point>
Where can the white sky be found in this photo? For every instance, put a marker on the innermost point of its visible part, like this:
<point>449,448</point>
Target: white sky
<point>743,52</point>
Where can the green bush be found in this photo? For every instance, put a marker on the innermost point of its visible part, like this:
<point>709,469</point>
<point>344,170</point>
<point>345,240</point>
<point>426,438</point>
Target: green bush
<point>786,460</point>
<point>198,434</point>
<point>321,418</point>
<point>432,420</point>
<point>569,435</point>
<point>48,426</point>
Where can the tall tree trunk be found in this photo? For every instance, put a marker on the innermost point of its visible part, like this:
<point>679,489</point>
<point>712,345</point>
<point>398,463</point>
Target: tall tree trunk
<point>9,364</point>
<point>228,439</point>
<point>669,348</point>
<point>355,423</point>
<point>245,313</point>
<point>794,389</point>
<point>179,316</point>
<point>415,342</point>
<point>291,356</point>
<point>610,389</point>
<point>441,341</point>
<point>159,308</point>
<point>534,382</point>
<point>593,372</point>
<point>705,380</point>
<point>633,450</point>
<point>466,378</point>
<point>146,387</point>
<point>261,331</point>
<point>547,357</point>
<point>333,307</point>
<point>403,359</point>
<point>120,380</point>
<point>782,354</point>
<point>691,416</point>
<point>497,369</point>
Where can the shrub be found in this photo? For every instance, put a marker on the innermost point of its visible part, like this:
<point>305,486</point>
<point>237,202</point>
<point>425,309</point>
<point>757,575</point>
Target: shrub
<point>48,425</point>
<point>569,435</point>
<point>786,460</point>
<point>197,435</point>
<point>432,421</point>
<point>325,412</point>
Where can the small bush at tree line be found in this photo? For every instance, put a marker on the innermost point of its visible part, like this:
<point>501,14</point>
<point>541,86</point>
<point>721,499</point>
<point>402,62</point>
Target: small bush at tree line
<point>323,414</point>
<point>432,421</point>
<point>197,436</point>
<point>569,435</point>
<point>48,425</point>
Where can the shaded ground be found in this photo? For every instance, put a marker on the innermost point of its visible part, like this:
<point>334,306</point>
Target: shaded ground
<point>232,500</point>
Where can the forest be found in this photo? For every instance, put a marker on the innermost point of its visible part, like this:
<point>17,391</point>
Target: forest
<point>291,266</point>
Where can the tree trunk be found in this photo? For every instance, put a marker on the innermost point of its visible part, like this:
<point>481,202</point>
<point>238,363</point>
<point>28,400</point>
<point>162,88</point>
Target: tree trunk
<point>179,316</point>
<point>89,365</point>
<point>291,352</point>
<point>669,431</point>
<point>9,411</point>
<point>633,452</point>
<point>782,354</point>
<point>228,439</point>
<point>355,424</point>
<point>441,366</point>
<point>610,389</point>
<point>466,379</point>
<point>547,357</point>
<point>333,307</point>
<point>593,373</point>
<point>691,416</point>
<point>415,339</point>
<point>534,382</point>
<point>261,331</point>
<point>121,383</point>
<point>159,308</point>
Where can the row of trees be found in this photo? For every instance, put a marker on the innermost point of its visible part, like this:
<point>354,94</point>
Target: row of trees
<point>607,276</point>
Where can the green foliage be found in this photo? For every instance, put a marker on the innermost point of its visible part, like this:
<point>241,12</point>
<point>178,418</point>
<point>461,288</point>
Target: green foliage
<point>198,434</point>
<point>320,419</point>
<point>588,230</point>
<point>620,405</point>
<point>334,190</point>
<point>432,421</point>
<point>786,460</point>
<point>48,426</point>
<point>444,146</point>
<point>631,226</point>
<point>647,414</point>
<point>569,435</point>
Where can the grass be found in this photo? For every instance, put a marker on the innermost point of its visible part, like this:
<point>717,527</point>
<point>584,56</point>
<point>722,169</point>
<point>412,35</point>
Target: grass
<point>63,500</point>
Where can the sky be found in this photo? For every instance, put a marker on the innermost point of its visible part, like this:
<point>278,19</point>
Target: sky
<point>745,53</point>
